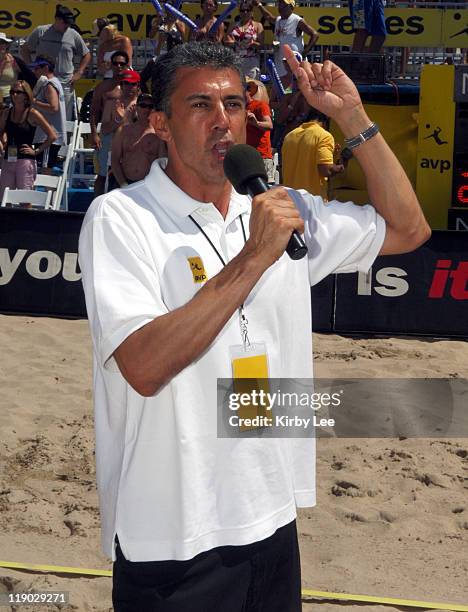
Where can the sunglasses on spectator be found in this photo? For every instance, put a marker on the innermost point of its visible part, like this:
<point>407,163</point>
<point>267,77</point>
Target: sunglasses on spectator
<point>144,105</point>
<point>119,63</point>
<point>14,92</point>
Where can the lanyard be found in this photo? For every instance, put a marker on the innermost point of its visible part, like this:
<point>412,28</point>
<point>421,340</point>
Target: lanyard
<point>243,322</point>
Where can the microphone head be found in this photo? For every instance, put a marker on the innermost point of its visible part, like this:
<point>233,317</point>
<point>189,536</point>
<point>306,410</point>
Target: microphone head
<point>241,164</point>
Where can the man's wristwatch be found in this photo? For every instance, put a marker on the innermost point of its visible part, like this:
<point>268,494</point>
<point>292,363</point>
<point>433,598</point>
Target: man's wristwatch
<point>355,141</point>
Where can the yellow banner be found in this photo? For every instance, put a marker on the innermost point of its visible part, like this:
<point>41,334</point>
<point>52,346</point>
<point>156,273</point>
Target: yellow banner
<point>455,28</point>
<point>406,27</point>
<point>398,125</point>
<point>435,143</point>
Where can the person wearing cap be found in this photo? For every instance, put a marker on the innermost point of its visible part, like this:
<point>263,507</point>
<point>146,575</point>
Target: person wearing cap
<point>110,41</point>
<point>130,84</point>
<point>118,109</point>
<point>9,70</point>
<point>60,41</point>
<point>290,29</point>
<point>259,126</point>
<point>49,99</point>
<point>106,94</point>
<point>135,146</point>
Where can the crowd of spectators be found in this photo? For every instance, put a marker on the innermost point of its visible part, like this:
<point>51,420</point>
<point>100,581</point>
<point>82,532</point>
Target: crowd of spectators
<point>121,103</point>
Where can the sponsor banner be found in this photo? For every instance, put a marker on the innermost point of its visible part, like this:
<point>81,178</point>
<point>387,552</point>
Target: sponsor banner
<point>455,28</point>
<point>436,143</point>
<point>39,271</point>
<point>322,299</point>
<point>398,125</point>
<point>407,27</point>
<point>458,218</point>
<point>425,292</point>
<point>461,83</point>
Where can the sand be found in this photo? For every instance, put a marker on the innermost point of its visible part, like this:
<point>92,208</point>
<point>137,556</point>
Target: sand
<point>391,518</point>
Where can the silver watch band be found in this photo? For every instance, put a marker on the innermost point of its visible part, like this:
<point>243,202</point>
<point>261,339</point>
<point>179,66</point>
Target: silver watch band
<point>367,134</point>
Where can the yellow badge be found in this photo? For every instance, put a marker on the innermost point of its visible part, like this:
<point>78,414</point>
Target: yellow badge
<point>250,374</point>
<point>198,269</point>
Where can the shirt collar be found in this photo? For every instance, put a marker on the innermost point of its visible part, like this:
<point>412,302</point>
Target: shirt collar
<point>179,204</point>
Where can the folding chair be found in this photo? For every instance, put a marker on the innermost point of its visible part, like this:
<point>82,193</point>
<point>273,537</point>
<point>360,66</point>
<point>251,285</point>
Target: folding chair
<point>62,194</point>
<point>71,131</point>
<point>52,184</point>
<point>38,199</point>
<point>80,153</point>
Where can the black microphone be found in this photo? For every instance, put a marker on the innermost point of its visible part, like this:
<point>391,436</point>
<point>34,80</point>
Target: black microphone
<point>244,167</point>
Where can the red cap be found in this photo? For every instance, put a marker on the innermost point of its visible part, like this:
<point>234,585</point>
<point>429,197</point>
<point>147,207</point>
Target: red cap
<point>130,76</point>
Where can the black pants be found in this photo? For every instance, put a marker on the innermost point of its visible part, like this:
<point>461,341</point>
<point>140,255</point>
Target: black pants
<point>260,577</point>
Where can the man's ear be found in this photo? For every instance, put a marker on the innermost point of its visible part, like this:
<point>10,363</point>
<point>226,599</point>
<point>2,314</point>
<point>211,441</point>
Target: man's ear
<point>161,126</point>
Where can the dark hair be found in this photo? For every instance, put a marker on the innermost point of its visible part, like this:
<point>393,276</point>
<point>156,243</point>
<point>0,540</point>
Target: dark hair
<point>189,55</point>
<point>316,115</point>
<point>120,54</point>
<point>145,97</point>
<point>202,2</point>
<point>64,13</point>
<point>101,23</point>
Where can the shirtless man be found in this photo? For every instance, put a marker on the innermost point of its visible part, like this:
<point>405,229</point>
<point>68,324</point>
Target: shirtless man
<point>117,112</point>
<point>135,146</point>
<point>108,89</point>
<point>106,98</point>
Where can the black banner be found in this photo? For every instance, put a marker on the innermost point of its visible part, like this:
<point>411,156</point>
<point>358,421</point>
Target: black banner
<point>425,292</point>
<point>39,272</point>
<point>322,300</point>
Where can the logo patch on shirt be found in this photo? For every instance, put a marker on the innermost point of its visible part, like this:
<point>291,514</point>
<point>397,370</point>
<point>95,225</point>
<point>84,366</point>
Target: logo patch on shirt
<point>198,269</point>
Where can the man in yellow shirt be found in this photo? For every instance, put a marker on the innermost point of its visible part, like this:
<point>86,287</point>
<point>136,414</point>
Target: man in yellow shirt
<point>307,156</point>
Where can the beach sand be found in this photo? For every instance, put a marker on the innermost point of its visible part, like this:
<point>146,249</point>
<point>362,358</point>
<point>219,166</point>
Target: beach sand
<point>391,518</point>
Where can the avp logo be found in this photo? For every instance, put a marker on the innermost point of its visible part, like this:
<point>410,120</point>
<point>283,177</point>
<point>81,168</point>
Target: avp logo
<point>134,22</point>
<point>42,265</point>
<point>464,30</point>
<point>435,134</point>
<point>442,165</point>
<point>198,269</point>
<point>448,280</point>
<point>434,164</point>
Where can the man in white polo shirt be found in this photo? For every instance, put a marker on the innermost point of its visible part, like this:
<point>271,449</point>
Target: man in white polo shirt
<point>195,522</point>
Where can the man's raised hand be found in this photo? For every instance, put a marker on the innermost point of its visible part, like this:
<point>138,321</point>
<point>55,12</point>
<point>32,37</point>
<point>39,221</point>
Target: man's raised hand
<point>325,86</point>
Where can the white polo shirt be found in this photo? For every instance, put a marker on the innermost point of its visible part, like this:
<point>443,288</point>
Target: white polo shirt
<point>168,486</point>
